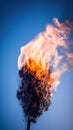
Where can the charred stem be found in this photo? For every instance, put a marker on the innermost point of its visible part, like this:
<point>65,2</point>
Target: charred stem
<point>28,124</point>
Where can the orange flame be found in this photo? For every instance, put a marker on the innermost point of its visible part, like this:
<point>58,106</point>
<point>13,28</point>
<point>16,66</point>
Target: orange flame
<point>37,67</point>
<point>41,53</point>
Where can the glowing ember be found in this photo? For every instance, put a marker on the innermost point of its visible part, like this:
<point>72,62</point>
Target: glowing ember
<point>41,63</point>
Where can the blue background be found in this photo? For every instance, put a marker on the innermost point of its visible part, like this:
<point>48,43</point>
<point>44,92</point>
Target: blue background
<point>20,22</point>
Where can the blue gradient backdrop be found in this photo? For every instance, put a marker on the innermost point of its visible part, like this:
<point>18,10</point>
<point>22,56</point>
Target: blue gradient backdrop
<point>20,21</point>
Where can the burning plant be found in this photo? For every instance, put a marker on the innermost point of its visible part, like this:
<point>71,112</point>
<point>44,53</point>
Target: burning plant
<point>41,63</point>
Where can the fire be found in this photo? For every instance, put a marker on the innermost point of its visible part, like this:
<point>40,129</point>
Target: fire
<point>38,70</point>
<point>37,67</point>
<point>42,54</point>
<point>41,63</point>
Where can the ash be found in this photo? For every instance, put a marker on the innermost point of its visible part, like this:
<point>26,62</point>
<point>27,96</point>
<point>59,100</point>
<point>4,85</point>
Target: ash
<point>34,94</point>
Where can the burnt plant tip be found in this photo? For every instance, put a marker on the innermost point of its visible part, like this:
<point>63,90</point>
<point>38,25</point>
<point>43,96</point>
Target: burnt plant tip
<point>33,94</point>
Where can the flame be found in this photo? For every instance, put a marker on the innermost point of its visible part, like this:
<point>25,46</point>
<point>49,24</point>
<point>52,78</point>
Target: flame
<point>37,67</point>
<point>42,54</point>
